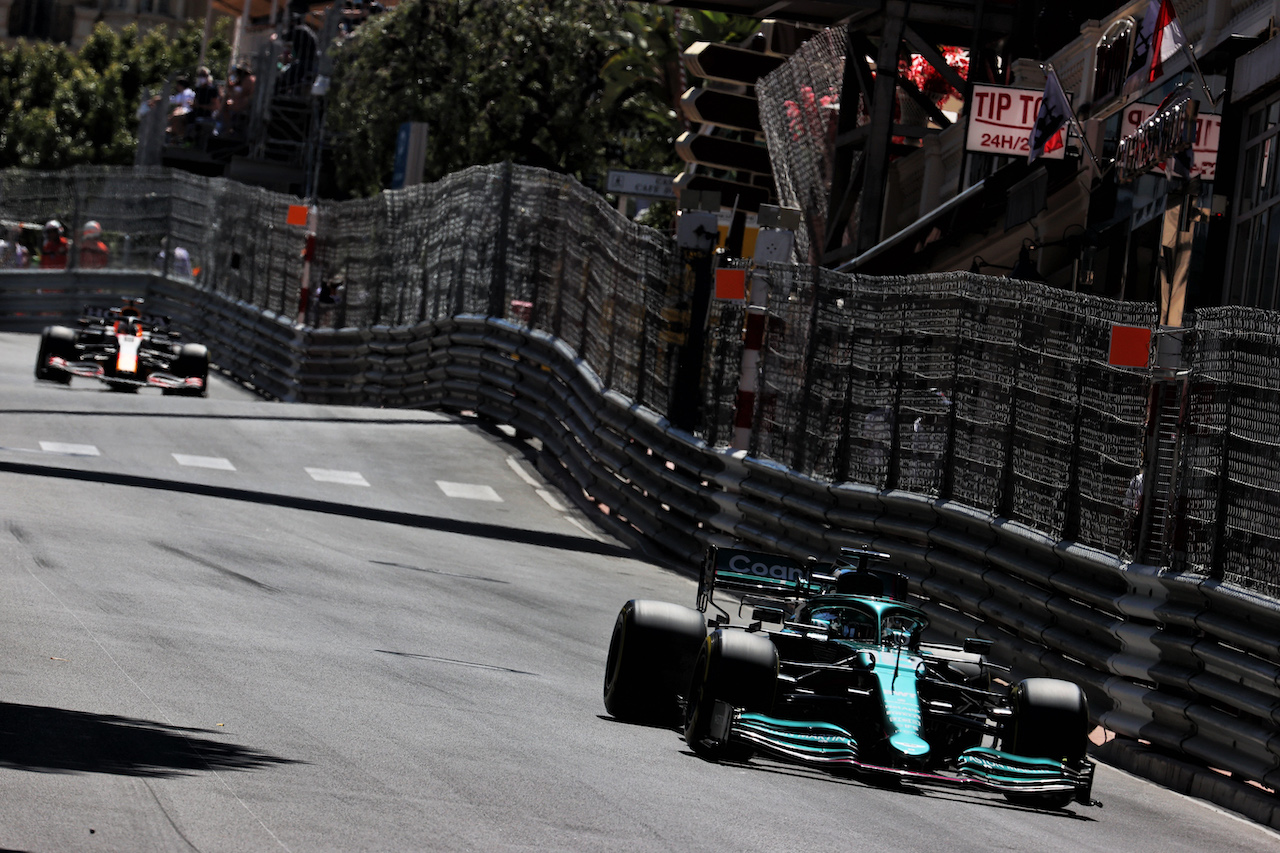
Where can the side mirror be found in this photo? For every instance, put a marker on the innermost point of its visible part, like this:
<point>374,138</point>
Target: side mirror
<point>976,646</point>
<point>766,614</point>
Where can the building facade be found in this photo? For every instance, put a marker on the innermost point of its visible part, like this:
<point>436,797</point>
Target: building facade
<point>1181,228</point>
<point>70,23</point>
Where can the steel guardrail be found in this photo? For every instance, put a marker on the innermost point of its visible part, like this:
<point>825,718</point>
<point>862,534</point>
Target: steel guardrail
<point>1187,664</point>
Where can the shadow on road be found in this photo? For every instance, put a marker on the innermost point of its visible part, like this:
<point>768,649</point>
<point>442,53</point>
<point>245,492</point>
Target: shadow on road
<point>386,516</point>
<point>55,740</point>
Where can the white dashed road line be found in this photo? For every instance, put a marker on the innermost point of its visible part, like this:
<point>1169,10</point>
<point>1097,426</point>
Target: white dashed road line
<point>468,491</point>
<point>215,462</point>
<point>69,449</point>
<point>582,527</point>
<point>514,464</point>
<point>551,501</point>
<point>346,478</point>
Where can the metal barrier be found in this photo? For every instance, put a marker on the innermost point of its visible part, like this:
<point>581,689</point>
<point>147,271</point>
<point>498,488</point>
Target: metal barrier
<point>999,497</point>
<point>1187,664</point>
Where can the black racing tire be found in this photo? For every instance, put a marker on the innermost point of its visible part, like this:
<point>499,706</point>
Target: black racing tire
<point>736,667</point>
<point>651,656</point>
<point>1050,720</point>
<point>59,341</point>
<point>192,360</point>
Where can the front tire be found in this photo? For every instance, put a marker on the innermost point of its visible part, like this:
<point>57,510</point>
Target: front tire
<point>735,667</point>
<point>55,341</point>
<point>1050,720</point>
<point>192,360</point>
<point>651,655</point>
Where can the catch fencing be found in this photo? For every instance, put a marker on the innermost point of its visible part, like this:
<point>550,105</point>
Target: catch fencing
<point>516,243</point>
<point>971,426</point>
<point>993,393</point>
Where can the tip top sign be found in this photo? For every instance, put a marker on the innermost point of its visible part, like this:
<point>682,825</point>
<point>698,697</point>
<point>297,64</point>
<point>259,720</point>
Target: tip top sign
<point>1001,119</point>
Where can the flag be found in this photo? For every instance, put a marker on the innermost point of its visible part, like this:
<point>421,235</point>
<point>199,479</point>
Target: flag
<point>1159,38</point>
<point>1054,112</point>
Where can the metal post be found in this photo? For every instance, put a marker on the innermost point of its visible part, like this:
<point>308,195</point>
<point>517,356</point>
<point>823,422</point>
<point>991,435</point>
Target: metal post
<point>685,395</point>
<point>498,278</point>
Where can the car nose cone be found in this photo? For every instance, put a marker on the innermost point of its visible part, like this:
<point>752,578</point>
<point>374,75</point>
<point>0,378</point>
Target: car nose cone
<point>909,744</point>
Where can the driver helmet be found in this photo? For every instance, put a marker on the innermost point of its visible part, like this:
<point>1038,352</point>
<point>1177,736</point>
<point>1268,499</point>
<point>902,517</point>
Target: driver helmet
<point>53,225</point>
<point>899,632</point>
<point>835,622</point>
<point>92,229</point>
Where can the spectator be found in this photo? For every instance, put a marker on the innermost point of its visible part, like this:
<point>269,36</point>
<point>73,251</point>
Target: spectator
<point>234,115</point>
<point>13,255</point>
<point>353,15</point>
<point>54,250</point>
<point>181,263</point>
<point>180,104</point>
<point>300,59</point>
<point>94,253</point>
<point>206,98</point>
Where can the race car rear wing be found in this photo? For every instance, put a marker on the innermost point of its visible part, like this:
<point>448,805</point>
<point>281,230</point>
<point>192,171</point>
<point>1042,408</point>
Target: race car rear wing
<point>106,314</point>
<point>758,572</point>
<point>783,577</point>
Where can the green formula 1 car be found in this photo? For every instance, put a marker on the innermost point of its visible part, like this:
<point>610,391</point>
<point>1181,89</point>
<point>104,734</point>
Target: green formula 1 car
<point>844,683</point>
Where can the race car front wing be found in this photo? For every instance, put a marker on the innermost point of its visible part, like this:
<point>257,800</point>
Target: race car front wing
<point>830,747</point>
<point>93,370</point>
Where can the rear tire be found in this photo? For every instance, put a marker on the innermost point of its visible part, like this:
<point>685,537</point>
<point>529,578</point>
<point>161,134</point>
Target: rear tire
<point>650,659</point>
<point>736,667</point>
<point>55,341</point>
<point>1050,720</point>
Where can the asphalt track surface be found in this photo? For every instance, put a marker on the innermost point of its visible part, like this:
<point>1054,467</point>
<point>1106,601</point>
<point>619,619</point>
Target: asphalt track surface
<point>230,624</point>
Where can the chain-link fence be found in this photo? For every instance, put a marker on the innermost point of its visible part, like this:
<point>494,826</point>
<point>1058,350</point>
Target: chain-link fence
<point>524,244</point>
<point>990,392</point>
<point>993,393</point>
<point>799,112</point>
<point>1230,518</point>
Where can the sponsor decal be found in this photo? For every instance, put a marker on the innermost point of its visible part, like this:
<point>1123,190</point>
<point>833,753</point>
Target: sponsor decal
<point>750,564</point>
<point>127,357</point>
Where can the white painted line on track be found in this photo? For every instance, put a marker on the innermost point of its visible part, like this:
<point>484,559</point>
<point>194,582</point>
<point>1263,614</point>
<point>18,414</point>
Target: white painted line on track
<point>551,501</point>
<point>346,478</point>
<point>582,527</point>
<point>69,449</point>
<point>514,464</point>
<point>215,462</point>
<point>468,491</point>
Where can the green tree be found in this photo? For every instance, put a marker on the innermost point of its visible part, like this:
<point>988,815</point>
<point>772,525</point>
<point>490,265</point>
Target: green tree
<point>517,80</point>
<point>494,79</point>
<point>644,77</point>
<point>59,108</point>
